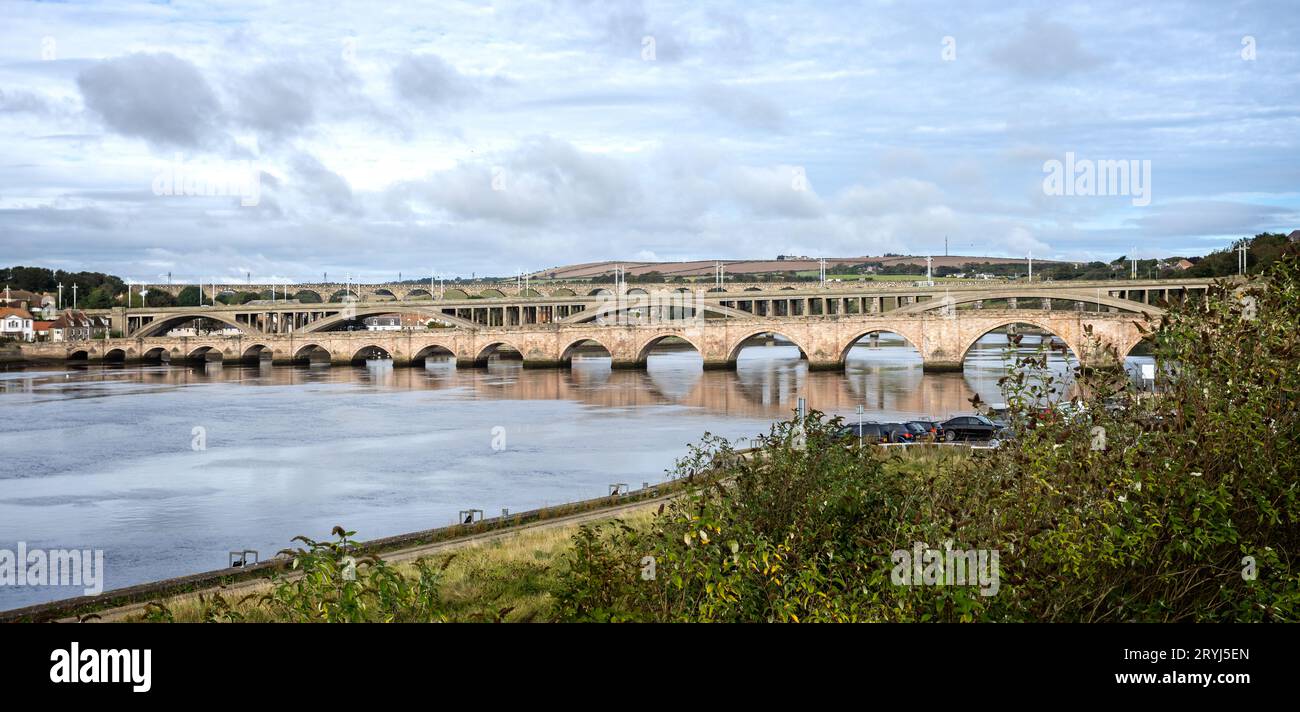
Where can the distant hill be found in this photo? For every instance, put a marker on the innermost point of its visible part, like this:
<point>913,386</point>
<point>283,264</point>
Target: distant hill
<point>704,268</point>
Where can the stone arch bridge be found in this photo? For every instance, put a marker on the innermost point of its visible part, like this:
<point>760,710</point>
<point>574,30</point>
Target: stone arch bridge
<point>942,336</point>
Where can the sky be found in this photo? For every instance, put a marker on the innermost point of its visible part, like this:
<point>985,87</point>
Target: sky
<point>377,139</point>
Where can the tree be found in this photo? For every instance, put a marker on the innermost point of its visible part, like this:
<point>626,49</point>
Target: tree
<point>189,297</point>
<point>99,298</point>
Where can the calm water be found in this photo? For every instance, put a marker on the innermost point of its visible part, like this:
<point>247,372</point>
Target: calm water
<point>103,458</point>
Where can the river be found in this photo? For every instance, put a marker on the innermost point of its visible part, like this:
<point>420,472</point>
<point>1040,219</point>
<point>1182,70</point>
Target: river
<point>168,468</point>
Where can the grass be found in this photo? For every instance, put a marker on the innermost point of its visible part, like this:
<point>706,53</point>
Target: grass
<point>510,579</point>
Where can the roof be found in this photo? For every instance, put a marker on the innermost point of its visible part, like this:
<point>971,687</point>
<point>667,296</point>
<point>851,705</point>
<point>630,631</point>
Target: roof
<point>14,311</point>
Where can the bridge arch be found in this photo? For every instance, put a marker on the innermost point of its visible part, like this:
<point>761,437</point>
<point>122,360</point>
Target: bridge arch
<point>909,338</point>
<point>311,352</point>
<point>955,299</point>
<point>1074,348</point>
<point>205,353</point>
<point>371,352</point>
<point>454,293</point>
<point>256,353</point>
<point>157,354</point>
<point>491,294</point>
<point>160,327</point>
<point>433,350</point>
<point>564,292</point>
<point>115,355</point>
<point>358,313</point>
<point>600,292</point>
<point>308,296</point>
<point>79,355</point>
<point>567,353</point>
<point>418,293</point>
<point>643,351</point>
<point>494,349</point>
<point>383,294</point>
<point>737,346</point>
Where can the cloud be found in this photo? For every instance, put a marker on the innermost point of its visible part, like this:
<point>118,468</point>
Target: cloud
<point>160,98</point>
<point>1044,49</point>
<point>429,81</point>
<point>741,107</point>
<point>315,182</point>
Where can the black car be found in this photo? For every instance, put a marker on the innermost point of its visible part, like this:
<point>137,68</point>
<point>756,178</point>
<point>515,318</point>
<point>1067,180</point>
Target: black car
<point>901,432</point>
<point>931,429</point>
<point>970,427</point>
<point>869,432</point>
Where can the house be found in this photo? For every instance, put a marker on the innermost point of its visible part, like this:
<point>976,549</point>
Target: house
<point>42,330</point>
<point>17,324</point>
<point>70,326</point>
<point>1183,263</point>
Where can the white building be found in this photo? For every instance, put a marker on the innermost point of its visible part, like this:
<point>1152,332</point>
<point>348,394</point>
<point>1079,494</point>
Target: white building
<point>17,324</point>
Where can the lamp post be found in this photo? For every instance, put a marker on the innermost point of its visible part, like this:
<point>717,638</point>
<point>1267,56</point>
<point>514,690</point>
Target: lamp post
<point>60,296</point>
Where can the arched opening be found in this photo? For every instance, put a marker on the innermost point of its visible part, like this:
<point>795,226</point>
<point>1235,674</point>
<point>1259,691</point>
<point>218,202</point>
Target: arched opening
<point>530,292</point>
<point>368,354</point>
<point>883,348</point>
<point>670,350</point>
<point>115,356</point>
<point>767,346</point>
<point>311,354</point>
<point>383,295</point>
<point>600,292</point>
<point>307,296</point>
<point>491,294</point>
<point>205,354</point>
<point>418,294</point>
<point>638,291</point>
<point>454,293</point>
<point>585,353</point>
<point>988,357</point>
<point>343,295</point>
<point>434,355</point>
<point>499,353</point>
<point>717,289</point>
<point>78,356</point>
<point>156,355</point>
<point>564,292</point>
<point>189,325</point>
<point>257,353</point>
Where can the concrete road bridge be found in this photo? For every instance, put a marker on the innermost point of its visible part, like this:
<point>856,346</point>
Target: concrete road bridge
<point>667,302</point>
<point>823,328</point>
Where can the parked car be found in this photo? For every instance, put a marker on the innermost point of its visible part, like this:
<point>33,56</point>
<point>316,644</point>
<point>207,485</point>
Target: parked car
<point>932,429</point>
<point>900,432</point>
<point>970,427</point>
<point>869,432</point>
<point>880,432</point>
